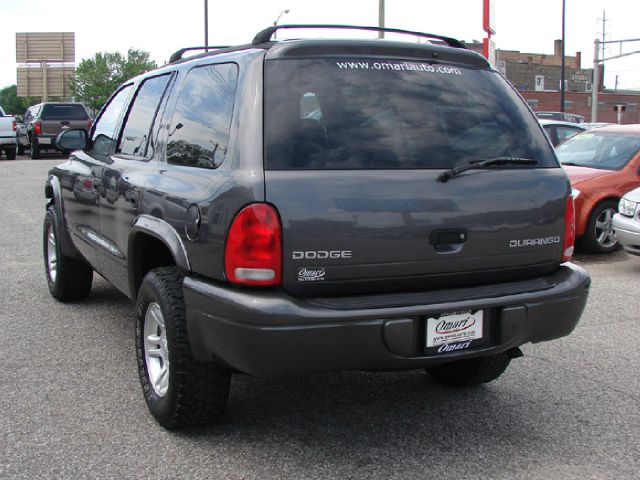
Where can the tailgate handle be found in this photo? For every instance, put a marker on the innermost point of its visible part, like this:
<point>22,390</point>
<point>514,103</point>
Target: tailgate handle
<point>448,240</point>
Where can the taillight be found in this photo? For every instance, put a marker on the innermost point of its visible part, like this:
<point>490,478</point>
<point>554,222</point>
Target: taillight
<point>14,125</point>
<point>37,128</point>
<point>89,126</point>
<point>569,230</point>
<point>253,253</point>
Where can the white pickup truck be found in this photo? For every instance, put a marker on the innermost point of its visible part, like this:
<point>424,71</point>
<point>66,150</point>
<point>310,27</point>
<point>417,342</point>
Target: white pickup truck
<point>7,135</point>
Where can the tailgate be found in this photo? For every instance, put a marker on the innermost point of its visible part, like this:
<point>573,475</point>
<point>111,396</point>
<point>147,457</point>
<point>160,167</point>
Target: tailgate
<point>354,231</point>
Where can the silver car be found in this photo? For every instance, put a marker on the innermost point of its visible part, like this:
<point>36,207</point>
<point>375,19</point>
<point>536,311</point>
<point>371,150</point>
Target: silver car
<point>626,222</point>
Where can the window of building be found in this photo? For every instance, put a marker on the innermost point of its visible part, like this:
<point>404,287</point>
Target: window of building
<point>200,127</point>
<point>137,129</point>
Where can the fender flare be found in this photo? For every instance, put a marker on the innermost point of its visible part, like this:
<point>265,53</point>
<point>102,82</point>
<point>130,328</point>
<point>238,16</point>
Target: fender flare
<point>53,193</point>
<point>164,232</point>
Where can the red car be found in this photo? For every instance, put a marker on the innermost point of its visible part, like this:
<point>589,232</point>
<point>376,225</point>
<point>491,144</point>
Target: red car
<point>603,165</point>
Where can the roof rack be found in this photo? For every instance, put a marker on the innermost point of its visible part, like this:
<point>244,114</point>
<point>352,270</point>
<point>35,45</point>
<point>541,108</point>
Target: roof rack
<point>266,34</point>
<point>178,55</point>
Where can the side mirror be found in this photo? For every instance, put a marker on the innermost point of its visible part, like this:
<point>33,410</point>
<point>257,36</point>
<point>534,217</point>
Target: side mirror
<point>74,139</point>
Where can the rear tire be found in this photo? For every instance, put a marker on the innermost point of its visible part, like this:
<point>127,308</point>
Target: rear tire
<point>11,154</point>
<point>180,391</point>
<point>599,236</point>
<point>472,372</point>
<point>68,278</point>
<point>20,149</point>
<point>35,151</point>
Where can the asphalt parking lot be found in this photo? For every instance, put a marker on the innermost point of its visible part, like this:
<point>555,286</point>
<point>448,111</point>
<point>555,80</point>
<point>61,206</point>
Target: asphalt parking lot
<point>71,405</point>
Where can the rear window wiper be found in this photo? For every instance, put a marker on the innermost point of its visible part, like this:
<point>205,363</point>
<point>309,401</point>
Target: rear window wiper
<point>452,172</point>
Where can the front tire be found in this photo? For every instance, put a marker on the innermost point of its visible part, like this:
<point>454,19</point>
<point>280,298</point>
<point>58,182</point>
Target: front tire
<point>68,278</point>
<point>599,236</point>
<point>472,372</point>
<point>179,390</point>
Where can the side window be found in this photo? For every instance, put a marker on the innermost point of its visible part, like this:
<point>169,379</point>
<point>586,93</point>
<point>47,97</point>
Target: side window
<point>199,129</point>
<point>104,131</point>
<point>567,132</point>
<point>135,136</point>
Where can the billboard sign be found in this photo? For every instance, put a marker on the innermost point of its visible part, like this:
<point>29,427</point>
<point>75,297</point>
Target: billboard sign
<point>46,47</point>
<point>31,81</point>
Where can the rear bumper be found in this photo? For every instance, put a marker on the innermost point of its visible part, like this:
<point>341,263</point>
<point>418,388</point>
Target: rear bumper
<point>270,334</point>
<point>8,142</point>
<point>45,141</point>
<point>627,233</point>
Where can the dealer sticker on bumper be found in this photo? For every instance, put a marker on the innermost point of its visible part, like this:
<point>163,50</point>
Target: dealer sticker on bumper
<point>454,327</point>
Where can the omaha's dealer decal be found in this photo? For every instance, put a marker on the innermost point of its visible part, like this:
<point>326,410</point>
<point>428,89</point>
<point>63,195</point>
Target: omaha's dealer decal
<point>311,274</point>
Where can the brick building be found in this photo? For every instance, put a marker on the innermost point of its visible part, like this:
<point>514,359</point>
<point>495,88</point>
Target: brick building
<point>537,77</point>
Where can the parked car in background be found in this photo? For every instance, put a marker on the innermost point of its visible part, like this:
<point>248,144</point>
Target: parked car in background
<point>45,121</point>
<point>7,135</point>
<point>559,131</point>
<point>562,116</point>
<point>603,164</point>
<point>626,222</point>
<point>22,140</point>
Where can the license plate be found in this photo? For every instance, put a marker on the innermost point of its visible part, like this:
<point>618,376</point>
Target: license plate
<point>454,327</point>
<point>44,141</point>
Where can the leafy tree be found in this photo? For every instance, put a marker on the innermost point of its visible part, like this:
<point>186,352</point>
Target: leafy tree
<point>12,104</point>
<point>98,77</point>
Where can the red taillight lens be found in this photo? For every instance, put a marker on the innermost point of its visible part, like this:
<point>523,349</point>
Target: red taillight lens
<point>569,230</point>
<point>14,125</point>
<point>37,128</point>
<point>253,254</point>
<point>89,126</point>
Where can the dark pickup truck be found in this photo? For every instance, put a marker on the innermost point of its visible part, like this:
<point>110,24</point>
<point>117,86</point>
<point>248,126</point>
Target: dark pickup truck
<point>44,121</point>
<point>309,205</point>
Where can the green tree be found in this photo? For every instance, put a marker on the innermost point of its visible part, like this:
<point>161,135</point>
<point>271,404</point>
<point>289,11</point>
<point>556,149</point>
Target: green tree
<point>12,104</point>
<point>98,77</point>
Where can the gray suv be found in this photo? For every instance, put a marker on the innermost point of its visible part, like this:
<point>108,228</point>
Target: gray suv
<point>296,206</point>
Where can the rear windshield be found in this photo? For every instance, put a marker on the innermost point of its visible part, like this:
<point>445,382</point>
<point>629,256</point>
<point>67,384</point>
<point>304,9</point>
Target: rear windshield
<point>64,112</point>
<point>339,114</point>
<point>606,151</point>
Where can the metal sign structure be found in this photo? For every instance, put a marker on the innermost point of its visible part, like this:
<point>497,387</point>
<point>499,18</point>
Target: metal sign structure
<point>46,60</point>
<point>31,80</point>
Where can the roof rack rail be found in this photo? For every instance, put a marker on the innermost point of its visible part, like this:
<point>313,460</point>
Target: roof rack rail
<point>266,34</point>
<point>178,55</point>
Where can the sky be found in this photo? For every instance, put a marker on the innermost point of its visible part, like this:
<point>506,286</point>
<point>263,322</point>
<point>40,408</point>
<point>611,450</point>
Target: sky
<point>162,26</point>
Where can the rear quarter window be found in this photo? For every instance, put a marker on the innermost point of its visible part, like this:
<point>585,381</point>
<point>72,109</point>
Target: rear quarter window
<point>200,126</point>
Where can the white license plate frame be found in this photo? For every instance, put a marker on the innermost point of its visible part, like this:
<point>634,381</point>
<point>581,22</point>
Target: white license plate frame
<point>454,327</point>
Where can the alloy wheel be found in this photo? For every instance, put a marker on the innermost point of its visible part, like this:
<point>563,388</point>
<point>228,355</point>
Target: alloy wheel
<point>156,352</point>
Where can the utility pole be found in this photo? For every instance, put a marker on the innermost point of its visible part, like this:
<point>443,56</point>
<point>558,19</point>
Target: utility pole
<point>206,25</point>
<point>596,70</point>
<point>381,17</point>
<point>563,62</point>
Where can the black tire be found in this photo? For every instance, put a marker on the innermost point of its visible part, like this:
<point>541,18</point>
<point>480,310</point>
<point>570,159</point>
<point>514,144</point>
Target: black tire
<point>472,372</point>
<point>599,235</point>
<point>20,149</point>
<point>68,278</point>
<point>11,154</point>
<point>35,151</point>
<point>195,393</point>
